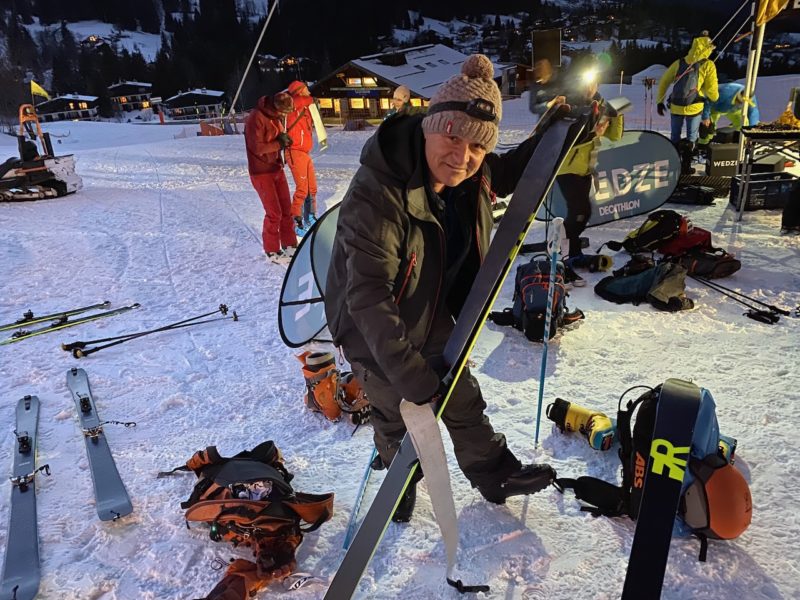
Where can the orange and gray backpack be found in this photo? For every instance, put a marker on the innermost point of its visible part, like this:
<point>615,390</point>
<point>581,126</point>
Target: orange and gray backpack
<point>248,500</point>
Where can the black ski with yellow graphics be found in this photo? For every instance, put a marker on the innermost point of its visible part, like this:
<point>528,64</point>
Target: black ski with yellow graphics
<point>62,322</point>
<point>556,137</point>
<point>28,318</point>
<point>676,414</point>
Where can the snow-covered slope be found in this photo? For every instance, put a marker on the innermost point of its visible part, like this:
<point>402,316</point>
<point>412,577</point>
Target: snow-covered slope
<point>175,225</point>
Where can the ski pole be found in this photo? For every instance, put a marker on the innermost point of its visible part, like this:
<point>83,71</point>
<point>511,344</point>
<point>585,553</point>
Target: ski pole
<point>720,287</point>
<point>757,314</point>
<point>351,525</point>
<point>82,344</point>
<point>80,352</point>
<point>555,243</point>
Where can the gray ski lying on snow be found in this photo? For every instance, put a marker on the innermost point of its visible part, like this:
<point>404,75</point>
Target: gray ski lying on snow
<point>109,491</point>
<point>537,179</point>
<point>21,567</point>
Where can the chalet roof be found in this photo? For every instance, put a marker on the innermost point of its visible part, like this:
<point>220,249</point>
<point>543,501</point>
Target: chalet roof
<point>131,83</point>
<point>197,92</point>
<point>421,68</point>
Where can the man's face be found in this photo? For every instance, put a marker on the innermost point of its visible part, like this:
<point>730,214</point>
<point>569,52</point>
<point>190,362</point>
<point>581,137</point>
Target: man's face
<point>397,103</point>
<point>451,159</point>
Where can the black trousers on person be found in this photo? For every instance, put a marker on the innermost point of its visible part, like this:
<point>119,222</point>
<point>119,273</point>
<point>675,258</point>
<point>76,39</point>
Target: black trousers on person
<point>482,453</point>
<point>576,189</point>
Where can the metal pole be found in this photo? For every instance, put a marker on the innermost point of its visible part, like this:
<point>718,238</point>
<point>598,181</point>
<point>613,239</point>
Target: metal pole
<point>252,56</point>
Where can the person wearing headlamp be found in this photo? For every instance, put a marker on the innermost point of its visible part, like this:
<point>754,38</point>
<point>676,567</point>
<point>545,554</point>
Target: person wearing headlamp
<point>412,231</point>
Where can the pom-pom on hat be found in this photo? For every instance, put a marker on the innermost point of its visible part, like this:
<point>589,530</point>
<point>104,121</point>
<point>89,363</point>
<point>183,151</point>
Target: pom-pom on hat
<point>283,102</point>
<point>468,105</point>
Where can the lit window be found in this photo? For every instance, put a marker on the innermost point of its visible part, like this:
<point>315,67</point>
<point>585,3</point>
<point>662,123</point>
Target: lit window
<point>356,103</point>
<point>337,106</point>
<point>416,102</point>
<point>325,103</point>
<point>72,105</point>
<point>354,81</point>
<point>123,99</point>
<point>384,103</point>
<point>145,104</point>
<point>83,105</point>
<point>370,82</point>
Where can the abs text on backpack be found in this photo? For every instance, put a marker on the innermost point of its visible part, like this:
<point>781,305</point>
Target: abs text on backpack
<point>715,498</point>
<point>531,286</point>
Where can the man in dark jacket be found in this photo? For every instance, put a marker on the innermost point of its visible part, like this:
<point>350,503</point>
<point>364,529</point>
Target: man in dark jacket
<point>413,229</point>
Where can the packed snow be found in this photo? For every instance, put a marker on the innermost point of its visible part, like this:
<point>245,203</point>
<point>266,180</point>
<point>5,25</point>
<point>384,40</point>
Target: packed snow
<point>175,225</point>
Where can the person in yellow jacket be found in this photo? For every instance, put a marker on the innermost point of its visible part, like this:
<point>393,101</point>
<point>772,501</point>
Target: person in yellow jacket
<point>694,80</point>
<point>576,176</point>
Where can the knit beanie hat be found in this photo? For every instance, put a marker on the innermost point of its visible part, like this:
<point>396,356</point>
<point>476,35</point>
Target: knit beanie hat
<point>297,87</point>
<point>401,92</point>
<point>283,102</point>
<point>456,116</point>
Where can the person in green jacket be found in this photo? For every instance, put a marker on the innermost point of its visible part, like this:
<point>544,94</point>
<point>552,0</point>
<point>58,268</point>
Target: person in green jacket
<point>412,231</point>
<point>576,176</point>
<point>694,81</point>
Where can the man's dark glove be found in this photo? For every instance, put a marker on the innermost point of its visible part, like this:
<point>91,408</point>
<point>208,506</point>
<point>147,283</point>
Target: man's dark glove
<point>661,108</point>
<point>284,140</point>
<point>434,399</point>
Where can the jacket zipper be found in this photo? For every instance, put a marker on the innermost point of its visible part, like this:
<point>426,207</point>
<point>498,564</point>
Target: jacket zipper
<point>410,269</point>
<point>438,288</point>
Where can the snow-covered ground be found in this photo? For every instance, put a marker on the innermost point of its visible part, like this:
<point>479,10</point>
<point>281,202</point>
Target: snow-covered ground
<point>175,225</point>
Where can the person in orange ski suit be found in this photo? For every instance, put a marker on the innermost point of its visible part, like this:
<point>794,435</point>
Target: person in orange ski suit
<point>265,138</point>
<point>299,126</point>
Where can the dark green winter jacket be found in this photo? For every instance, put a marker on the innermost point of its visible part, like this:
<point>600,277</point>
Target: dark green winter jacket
<point>384,283</point>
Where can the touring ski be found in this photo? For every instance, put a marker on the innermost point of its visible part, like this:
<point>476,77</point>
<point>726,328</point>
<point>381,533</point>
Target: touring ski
<point>676,415</point>
<point>110,495</point>
<point>537,179</point>
<point>63,323</point>
<point>28,318</point>
<point>21,567</point>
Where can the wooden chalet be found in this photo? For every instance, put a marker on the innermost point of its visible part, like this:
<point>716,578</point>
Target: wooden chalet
<point>127,96</point>
<point>362,88</point>
<point>68,107</point>
<point>199,103</point>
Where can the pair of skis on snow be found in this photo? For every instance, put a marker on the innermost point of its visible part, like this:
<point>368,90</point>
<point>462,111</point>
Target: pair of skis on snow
<point>21,574</point>
<point>59,320</point>
<point>647,565</point>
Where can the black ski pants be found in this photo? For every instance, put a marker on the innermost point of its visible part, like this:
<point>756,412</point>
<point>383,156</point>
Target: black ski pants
<point>481,452</point>
<point>576,189</point>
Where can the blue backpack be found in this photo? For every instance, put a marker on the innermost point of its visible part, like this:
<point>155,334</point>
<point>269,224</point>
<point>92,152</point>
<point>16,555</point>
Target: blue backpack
<point>684,89</point>
<point>715,498</point>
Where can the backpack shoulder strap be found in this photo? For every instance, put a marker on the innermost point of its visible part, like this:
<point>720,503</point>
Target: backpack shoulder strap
<point>604,498</point>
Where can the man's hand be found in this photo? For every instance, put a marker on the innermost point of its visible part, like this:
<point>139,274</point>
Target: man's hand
<point>434,399</point>
<point>284,140</point>
<point>706,122</point>
<point>661,108</point>
<point>558,100</point>
<point>601,127</point>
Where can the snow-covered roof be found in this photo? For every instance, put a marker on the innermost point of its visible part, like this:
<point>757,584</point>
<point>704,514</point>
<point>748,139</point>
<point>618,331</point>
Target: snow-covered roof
<point>199,91</point>
<point>78,97</point>
<point>425,68</point>
<point>653,71</point>
<point>134,83</point>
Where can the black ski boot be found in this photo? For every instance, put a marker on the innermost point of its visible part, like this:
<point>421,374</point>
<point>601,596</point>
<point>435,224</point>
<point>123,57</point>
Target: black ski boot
<point>405,509</point>
<point>686,152</point>
<point>528,479</point>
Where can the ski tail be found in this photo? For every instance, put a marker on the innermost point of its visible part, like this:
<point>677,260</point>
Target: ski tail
<point>556,139</point>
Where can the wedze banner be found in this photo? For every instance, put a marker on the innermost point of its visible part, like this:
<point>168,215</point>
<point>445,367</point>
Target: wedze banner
<point>635,175</point>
